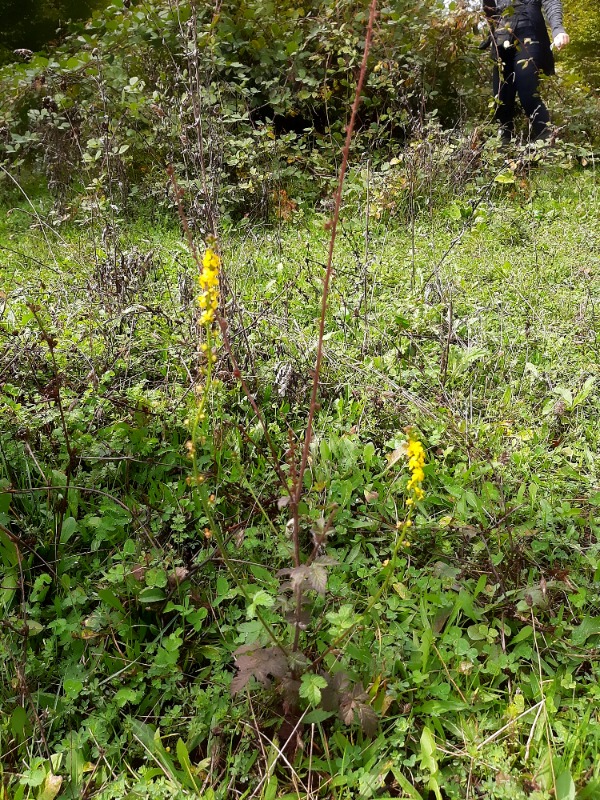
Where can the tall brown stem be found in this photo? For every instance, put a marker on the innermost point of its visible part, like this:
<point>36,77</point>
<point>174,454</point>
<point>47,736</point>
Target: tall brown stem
<point>297,492</point>
<point>328,272</point>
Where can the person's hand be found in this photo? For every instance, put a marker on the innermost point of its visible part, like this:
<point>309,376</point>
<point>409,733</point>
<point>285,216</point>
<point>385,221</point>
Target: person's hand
<point>561,40</point>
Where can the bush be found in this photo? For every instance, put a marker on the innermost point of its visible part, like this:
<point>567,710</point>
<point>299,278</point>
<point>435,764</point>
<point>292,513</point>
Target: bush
<point>243,103</point>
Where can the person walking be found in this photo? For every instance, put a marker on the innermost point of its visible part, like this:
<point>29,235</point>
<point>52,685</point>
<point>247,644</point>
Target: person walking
<point>522,50</point>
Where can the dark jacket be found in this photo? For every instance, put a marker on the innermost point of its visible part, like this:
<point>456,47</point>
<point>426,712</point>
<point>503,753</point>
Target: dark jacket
<point>527,18</point>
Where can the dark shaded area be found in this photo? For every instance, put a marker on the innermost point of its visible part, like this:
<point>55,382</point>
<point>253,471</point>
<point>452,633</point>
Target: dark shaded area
<point>32,24</point>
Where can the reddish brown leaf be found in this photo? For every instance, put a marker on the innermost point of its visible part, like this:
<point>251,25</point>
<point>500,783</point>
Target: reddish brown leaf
<point>262,663</point>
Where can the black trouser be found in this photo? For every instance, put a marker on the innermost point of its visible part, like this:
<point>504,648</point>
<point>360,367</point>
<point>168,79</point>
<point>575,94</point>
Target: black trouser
<point>520,75</point>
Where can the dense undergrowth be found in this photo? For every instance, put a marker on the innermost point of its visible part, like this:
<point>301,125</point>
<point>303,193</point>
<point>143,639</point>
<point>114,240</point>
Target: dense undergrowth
<point>451,657</point>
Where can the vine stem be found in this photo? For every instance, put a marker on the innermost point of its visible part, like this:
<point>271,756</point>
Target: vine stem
<point>299,479</point>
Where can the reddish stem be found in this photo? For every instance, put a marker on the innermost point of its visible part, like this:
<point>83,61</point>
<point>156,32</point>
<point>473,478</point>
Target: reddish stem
<point>328,272</point>
<point>296,493</point>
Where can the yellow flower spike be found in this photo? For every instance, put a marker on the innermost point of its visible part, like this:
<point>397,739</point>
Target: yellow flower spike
<point>208,279</point>
<point>416,462</point>
<point>211,260</point>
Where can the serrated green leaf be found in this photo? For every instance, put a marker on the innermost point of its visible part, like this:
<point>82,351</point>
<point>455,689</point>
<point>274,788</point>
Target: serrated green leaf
<point>310,687</point>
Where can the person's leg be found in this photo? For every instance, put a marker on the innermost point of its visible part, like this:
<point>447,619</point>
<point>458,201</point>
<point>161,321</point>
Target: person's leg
<point>527,84</point>
<point>505,92</point>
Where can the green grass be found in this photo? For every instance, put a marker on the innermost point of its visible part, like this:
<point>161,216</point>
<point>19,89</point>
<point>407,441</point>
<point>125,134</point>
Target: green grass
<point>477,647</point>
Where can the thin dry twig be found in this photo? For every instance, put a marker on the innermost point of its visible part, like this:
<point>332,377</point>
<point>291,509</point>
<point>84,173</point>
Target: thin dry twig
<point>509,725</point>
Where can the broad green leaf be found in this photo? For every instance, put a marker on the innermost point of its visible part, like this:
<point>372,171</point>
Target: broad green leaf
<point>317,715</point>
<point>69,528</point>
<point>454,212</point>
<point>565,787</point>
<point>151,594</point>
<point>270,792</point>
<point>590,626</point>
<point>19,722</point>
<point>428,751</point>
<point>109,597</point>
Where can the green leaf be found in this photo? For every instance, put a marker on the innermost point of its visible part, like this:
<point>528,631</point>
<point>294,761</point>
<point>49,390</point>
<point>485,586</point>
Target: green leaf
<point>151,594</point>
<point>8,588</point>
<point>523,634</point>
<point>407,787</point>
<point>9,554</point>
<point>124,696</point>
<point>454,212</point>
<point>195,618</point>
<point>34,777</point>
<point>110,599</point>
<point>19,722</point>
<point>222,587</point>
<point>565,787</point>
<point>5,499</point>
<point>590,626</point>
<point>590,792</point>
<point>69,528</point>
<point>317,715</point>
<point>270,792</point>
<point>184,761</point>
<point>595,499</point>
<point>261,599</point>
<point>506,176</point>
<point>150,739</point>
<point>72,687</point>
<point>310,687</point>
<point>34,627</point>
<point>585,391</point>
<point>428,751</point>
